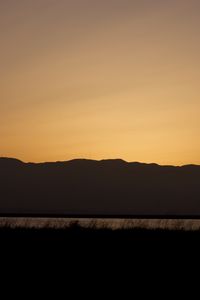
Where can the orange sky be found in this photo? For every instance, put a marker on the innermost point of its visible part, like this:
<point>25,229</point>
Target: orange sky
<point>100,79</point>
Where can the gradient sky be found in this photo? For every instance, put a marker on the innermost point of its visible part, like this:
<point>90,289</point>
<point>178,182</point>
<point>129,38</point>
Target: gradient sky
<point>100,79</point>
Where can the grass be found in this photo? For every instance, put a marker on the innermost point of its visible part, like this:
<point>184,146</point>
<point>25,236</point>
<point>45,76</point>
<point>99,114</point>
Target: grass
<point>76,234</point>
<point>97,247</point>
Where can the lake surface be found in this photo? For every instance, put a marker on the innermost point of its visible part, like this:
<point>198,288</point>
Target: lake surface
<point>28,222</point>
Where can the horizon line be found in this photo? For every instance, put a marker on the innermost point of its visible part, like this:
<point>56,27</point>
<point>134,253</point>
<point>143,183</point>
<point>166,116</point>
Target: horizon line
<point>98,160</point>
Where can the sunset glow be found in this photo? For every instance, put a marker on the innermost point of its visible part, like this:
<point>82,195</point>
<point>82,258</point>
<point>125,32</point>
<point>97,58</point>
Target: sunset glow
<point>100,79</point>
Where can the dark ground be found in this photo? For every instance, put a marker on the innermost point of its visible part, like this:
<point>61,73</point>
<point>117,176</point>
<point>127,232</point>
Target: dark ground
<point>79,240</point>
<point>99,255</point>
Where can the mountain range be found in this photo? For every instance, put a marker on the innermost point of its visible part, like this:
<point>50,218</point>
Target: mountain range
<point>101,188</point>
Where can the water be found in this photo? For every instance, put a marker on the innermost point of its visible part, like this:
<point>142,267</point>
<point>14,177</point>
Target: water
<point>177,224</point>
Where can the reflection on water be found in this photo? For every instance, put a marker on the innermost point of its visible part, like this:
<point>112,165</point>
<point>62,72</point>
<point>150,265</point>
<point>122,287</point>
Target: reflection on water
<point>101,223</point>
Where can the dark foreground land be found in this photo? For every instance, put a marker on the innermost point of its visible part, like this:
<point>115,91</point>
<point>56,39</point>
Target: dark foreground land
<point>80,239</point>
<point>80,250</point>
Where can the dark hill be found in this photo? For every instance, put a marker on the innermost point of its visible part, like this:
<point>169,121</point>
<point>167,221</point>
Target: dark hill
<point>9,162</point>
<point>108,187</point>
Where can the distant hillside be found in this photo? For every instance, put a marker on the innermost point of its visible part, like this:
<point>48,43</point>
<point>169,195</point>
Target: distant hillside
<point>98,187</point>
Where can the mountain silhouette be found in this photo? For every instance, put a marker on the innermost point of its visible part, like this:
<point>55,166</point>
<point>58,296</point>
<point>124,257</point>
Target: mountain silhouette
<point>106,187</point>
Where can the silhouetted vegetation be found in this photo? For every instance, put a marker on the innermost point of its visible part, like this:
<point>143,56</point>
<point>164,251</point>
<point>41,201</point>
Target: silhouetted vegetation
<point>76,234</point>
<point>77,246</point>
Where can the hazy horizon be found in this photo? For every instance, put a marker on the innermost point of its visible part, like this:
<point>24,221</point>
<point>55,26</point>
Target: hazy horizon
<point>95,160</point>
<point>100,79</point>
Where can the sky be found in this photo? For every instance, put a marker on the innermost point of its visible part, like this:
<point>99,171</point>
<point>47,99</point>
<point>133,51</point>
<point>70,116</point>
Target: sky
<point>100,79</point>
